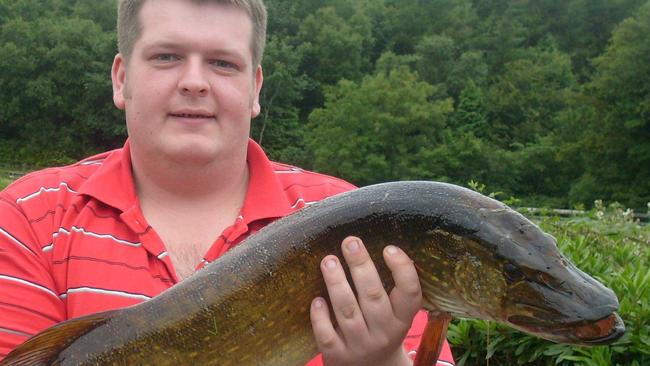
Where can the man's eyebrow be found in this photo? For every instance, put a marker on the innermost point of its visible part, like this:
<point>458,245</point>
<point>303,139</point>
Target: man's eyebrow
<point>179,46</point>
<point>167,45</point>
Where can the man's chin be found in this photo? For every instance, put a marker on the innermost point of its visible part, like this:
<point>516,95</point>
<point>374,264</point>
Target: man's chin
<point>193,157</point>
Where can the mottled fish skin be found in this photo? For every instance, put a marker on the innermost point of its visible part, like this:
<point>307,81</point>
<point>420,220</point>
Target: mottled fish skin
<point>476,258</point>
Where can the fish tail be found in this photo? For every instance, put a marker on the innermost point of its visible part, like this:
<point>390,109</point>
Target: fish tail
<point>45,347</point>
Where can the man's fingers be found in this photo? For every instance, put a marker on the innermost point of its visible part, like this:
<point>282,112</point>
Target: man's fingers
<point>372,297</point>
<point>344,303</point>
<point>363,271</point>
<point>406,296</point>
<point>327,339</point>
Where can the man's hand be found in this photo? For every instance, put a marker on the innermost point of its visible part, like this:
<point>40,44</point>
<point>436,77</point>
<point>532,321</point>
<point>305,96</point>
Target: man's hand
<point>372,327</point>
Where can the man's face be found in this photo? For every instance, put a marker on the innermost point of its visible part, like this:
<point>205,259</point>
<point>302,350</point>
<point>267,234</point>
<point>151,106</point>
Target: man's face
<point>189,88</point>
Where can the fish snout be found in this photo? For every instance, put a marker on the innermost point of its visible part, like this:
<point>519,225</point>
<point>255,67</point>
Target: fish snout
<point>573,308</point>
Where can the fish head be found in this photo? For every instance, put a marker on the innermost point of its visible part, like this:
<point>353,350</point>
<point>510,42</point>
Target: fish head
<point>563,305</point>
<point>545,294</point>
<point>478,258</point>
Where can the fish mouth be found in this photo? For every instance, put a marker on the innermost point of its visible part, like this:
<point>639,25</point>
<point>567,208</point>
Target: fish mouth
<point>605,330</point>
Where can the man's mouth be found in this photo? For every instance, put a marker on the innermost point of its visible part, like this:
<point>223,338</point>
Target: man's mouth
<point>191,115</point>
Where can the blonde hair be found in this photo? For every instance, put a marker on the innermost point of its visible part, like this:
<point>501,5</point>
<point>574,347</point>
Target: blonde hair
<point>129,28</point>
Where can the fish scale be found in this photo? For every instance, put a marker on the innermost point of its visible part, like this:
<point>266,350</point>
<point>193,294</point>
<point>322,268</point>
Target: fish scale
<point>251,306</point>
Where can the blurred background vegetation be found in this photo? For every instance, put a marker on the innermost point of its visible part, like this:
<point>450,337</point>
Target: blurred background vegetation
<point>543,100</point>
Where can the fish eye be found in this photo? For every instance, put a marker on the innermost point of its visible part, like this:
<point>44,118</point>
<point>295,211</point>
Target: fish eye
<point>513,273</point>
<point>546,279</point>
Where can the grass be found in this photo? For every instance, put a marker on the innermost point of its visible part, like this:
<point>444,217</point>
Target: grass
<point>8,174</point>
<point>5,181</point>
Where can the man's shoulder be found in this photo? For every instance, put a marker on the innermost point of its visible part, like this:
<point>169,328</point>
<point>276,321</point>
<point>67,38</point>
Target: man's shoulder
<point>66,178</point>
<point>313,186</point>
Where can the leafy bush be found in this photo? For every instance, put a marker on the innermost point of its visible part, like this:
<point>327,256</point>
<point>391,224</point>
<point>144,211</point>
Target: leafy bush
<point>606,243</point>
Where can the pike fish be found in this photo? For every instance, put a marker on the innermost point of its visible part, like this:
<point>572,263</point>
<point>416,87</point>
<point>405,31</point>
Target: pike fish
<point>476,258</point>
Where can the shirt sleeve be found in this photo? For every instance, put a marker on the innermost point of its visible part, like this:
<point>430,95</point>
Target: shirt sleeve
<point>411,344</point>
<point>28,299</point>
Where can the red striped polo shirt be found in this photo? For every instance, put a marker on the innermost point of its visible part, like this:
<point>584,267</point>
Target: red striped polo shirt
<point>74,241</point>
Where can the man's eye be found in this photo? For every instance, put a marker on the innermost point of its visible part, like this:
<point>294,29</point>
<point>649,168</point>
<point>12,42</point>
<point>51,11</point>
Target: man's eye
<point>166,57</point>
<point>224,64</point>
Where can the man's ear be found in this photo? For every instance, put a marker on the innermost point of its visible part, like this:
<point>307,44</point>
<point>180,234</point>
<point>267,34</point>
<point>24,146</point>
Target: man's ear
<point>259,80</point>
<point>118,76</point>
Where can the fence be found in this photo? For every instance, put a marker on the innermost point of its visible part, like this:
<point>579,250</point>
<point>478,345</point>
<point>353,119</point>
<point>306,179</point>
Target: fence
<point>642,217</point>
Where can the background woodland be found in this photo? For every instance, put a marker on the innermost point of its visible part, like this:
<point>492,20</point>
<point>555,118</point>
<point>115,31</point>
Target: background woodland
<point>544,100</point>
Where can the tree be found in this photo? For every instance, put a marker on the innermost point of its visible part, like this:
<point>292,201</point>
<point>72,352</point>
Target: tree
<point>407,21</point>
<point>436,56</point>
<point>378,129</point>
<point>471,114</point>
<point>617,143</point>
<point>326,37</point>
<point>278,128</point>
<point>526,97</point>
<point>55,90</point>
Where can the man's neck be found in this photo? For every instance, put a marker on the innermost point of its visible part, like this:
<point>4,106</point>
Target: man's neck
<point>190,206</point>
<point>173,182</point>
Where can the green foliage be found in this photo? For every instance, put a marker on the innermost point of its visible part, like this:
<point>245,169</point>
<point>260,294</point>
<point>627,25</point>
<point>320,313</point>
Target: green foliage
<point>278,128</point>
<point>526,97</point>
<point>617,143</point>
<point>606,243</point>
<point>325,36</point>
<point>54,90</point>
<point>4,181</point>
<point>543,100</point>
<point>380,129</point>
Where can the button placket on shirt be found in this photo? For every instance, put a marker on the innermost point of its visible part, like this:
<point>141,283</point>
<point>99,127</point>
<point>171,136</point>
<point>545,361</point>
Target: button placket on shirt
<point>150,241</point>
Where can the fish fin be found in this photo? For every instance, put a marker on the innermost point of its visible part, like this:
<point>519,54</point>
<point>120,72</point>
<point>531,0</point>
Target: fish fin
<point>44,347</point>
<point>432,340</point>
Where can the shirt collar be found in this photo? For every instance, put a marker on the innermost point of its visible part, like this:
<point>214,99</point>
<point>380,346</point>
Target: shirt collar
<point>113,184</point>
<point>265,197</point>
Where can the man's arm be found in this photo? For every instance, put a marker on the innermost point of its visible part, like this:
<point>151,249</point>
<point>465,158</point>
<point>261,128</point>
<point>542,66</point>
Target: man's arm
<point>28,299</point>
<point>370,329</point>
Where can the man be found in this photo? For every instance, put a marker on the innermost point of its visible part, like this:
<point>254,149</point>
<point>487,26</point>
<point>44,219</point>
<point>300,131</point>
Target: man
<point>123,226</point>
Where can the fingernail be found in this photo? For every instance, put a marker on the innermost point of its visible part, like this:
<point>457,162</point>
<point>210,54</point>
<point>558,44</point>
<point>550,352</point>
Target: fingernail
<point>353,246</point>
<point>330,264</point>
<point>318,303</point>
<point>391,250</point>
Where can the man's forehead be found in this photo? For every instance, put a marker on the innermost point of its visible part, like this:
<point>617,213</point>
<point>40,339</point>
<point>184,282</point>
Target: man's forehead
<point>183,21</point>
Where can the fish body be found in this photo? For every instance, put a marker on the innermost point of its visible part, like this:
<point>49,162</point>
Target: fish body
<point>475,257</point>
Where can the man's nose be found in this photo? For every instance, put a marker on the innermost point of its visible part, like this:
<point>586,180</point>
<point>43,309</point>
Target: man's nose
<point>193,80</point>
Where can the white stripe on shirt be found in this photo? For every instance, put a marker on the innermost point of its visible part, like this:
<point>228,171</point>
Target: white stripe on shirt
<point>289,171</point>
<point>15,332</point>
<point>28,283</point>
<point>83,231</point>
<point>102,291</point>
<point>92,162</point>
<point>13,239</point>
<point>299,200</point>
<point>43,189</point>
